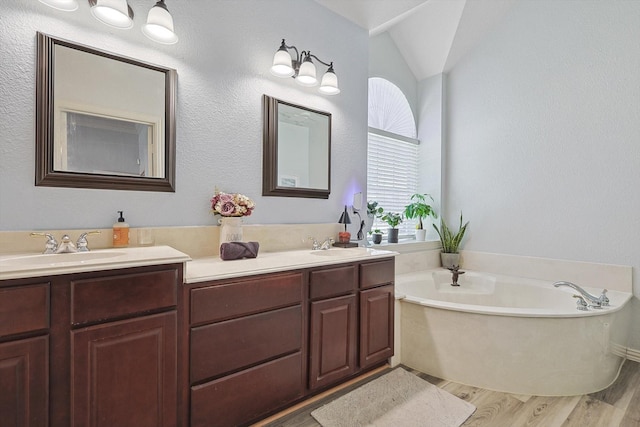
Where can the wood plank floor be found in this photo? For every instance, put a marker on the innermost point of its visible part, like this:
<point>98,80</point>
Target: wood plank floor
<point>616,406</point>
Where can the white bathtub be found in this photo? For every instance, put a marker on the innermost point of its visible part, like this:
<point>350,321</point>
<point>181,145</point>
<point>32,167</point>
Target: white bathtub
<point>510,334</point>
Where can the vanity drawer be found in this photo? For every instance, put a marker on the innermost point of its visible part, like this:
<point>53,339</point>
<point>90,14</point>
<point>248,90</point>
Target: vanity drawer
<point>24,309</point>
<point>247,395</point>
<point>104,298</point>
<point>377,273</point>
<point>332,281</point>
<point>238,298</point>
<point>234,344</point>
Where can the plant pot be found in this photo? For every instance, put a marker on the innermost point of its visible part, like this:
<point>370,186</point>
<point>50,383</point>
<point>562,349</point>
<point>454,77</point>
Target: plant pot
<point>392,236</point>
<point>449,260</point>
<point>376,238</point>
<point>421,235</point>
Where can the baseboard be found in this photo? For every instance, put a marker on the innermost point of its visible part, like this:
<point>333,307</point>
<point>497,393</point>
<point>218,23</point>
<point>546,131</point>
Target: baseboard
<point>626,352</point>
<point>633,354</point>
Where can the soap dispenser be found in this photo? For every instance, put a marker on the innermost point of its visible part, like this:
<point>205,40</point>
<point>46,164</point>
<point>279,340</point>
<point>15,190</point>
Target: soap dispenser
<point>120,233</point>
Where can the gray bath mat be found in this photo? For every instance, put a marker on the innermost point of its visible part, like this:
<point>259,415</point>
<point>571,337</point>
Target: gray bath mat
<point>398,398</point>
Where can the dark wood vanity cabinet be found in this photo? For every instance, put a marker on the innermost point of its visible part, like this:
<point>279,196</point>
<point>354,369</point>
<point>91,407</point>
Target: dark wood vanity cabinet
<point>91,349</point>
<point>124,349</point>
<point>24,347</point>
<point>247,352</point>
<point>333,325</point>
<point>377,301</point>
<point>258,344</point>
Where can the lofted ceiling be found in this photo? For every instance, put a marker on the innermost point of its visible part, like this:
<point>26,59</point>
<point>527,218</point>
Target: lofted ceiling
<point>431,35</point>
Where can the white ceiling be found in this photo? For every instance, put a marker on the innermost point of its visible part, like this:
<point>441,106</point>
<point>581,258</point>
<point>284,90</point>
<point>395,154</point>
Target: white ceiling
<point>431,35</point>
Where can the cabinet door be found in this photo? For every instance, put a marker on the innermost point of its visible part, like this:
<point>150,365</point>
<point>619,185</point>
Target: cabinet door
<point>124,373</point>
<point>376,325</point>
<point>333,340</point>
<point>24,382</point>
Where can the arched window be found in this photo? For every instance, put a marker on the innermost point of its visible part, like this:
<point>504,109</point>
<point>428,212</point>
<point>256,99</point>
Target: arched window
<point>392,154</point>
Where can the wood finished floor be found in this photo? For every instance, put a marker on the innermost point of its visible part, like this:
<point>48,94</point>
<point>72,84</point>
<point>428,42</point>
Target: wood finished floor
<point>616,406</point>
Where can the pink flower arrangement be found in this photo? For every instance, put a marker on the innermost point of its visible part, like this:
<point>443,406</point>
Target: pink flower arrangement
<point>227,204</point>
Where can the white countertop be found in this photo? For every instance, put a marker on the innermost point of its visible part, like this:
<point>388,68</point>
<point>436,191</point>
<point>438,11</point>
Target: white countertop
<point>20,266</point>
<point>213,268</point>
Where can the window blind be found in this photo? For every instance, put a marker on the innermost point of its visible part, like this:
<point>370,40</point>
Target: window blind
<point>392,175</point>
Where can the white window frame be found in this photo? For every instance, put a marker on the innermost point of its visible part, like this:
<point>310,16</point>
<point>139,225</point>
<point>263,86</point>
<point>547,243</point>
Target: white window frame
<point>392,175</point>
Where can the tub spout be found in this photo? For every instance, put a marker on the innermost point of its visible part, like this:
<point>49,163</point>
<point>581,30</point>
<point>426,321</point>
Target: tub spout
<point>596,302</point>
<point>455,273</point>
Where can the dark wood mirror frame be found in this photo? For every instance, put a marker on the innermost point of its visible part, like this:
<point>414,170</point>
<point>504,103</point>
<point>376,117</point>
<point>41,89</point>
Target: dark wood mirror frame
<point>270,186</point>
<point>46,175</point>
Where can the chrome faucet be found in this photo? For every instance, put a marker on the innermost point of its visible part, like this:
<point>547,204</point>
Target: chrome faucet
<point>593,301</point>
<point>317,246</point>
<point>326,244</point>
<point>66,245</point>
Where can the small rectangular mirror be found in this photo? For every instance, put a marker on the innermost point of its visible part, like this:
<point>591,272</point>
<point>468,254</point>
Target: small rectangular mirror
<point>297,150</point>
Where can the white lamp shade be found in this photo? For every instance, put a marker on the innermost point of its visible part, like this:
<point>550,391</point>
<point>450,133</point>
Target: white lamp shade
<point>307,74</point>
<point>159,26</point>
<point>282,64</point>
<point>65,5</point>
<point>329,84</point>
<point>113,12</point>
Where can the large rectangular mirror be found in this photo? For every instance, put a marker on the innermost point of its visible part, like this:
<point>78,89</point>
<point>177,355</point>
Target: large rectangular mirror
<point>297,150</point>
<point>103,120</point>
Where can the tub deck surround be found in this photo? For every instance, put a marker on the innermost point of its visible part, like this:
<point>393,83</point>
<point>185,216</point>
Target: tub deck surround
<point>18,266</point>
<point>213,268</point>
<point>499,295</point>
<point>510,334</point>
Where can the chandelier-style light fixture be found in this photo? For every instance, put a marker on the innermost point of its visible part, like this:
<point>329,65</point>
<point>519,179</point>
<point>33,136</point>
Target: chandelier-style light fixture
<point>303,70</point>
<point>159,26</point>
<point>118,14</point>
<point>66,5</point>
<point>115,13</point>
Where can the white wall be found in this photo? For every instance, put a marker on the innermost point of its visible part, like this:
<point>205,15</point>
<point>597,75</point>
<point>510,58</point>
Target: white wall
<point>386,61</point>
<point>543,150</point>
<point>223,59</point>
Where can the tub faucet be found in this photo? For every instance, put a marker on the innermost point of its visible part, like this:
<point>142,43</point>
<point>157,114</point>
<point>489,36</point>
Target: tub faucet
<point>455,274</point>
<point>596,302</point>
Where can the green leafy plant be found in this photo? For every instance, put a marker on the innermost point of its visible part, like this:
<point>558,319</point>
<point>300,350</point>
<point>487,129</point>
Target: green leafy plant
<point>419,208</point>
<point>392,218</point>
<point>373,210</point>
<point>450,241</point>
<point>376,231</point>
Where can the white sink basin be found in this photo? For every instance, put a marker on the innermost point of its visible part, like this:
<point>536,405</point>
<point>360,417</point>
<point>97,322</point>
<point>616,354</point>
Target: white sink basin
<point>58,259</point>
<point>337,252</point>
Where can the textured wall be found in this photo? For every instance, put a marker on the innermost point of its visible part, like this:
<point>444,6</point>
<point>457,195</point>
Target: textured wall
<point>543,150</point>
<point>223,59</point>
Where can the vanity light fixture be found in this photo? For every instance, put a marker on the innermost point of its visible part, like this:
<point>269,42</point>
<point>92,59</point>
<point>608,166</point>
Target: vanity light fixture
<point>303,70</point>
<point>159,26</point>
<point>65,5</point>
<point>115,13</point>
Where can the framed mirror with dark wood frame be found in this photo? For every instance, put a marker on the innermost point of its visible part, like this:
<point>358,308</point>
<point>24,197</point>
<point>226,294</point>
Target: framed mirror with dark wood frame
<point>103,120</point>
<point>296,150</point>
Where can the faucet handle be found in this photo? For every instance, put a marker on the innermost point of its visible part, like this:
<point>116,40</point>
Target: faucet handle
<point>51,246</point>
<point>314,243</point>
<point>82,243</point>
<point>581,304</point>
<point>604,300</point>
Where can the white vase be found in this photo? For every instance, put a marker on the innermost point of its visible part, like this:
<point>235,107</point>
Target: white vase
<point>421,234</point>
<point>230,229</point>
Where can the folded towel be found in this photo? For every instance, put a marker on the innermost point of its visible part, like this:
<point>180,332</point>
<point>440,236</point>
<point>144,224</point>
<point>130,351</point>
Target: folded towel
<point>239,250</point>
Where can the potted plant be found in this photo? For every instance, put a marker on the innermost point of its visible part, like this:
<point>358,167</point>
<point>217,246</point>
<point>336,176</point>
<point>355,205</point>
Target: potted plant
<point>376,236</point>
<point>450,242</point>
<point>418,208</point>
<point>393,219</point>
